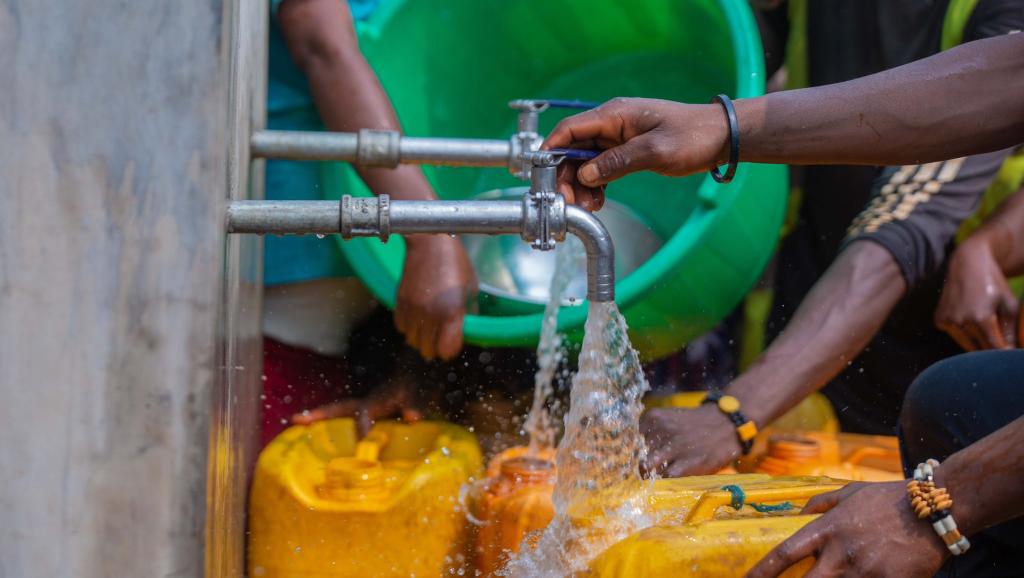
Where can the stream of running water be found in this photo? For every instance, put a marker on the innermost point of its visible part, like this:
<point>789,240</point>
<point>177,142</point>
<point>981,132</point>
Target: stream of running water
<point>599,496</point>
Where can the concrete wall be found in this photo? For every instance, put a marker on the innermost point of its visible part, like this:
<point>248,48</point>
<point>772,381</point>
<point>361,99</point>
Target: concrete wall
<point>234,433</point>
<point>118,145</point>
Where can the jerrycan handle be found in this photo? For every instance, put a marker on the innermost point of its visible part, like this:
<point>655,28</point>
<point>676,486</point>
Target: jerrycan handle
<point>871,452</point>
<point>709,503</point>
<point>369,447</point>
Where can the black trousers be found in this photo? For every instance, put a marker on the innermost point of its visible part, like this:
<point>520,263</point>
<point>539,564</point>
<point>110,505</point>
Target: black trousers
<point>951,405</point>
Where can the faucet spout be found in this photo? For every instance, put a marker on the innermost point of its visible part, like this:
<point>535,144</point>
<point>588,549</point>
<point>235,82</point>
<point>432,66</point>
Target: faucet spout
<point>600,253</point>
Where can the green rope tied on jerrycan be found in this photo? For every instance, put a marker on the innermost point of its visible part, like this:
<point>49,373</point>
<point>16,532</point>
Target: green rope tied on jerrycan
<point>739,499</point>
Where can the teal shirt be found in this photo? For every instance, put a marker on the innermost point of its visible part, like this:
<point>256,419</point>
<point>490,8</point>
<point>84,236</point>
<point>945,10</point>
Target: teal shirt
<point>293,259</point>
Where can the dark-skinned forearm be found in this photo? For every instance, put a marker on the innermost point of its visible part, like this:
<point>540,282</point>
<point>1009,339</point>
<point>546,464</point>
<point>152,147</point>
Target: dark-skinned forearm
<point>347,93</point>
<point>1003,233</point>
<point>984,479</point>
<point>836,320</point>
<point>963,101</point>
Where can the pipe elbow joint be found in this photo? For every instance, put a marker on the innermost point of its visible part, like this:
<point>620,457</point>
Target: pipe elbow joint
<point>600,253</point>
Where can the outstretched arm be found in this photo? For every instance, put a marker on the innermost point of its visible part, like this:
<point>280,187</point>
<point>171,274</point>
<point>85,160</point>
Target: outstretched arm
<point>840,315</point>
<point>960,102</point>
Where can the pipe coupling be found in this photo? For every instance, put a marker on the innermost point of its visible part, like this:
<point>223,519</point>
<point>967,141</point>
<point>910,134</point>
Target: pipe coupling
<point>366,217</point>
<point>379,148</point>
<point>543,220</point>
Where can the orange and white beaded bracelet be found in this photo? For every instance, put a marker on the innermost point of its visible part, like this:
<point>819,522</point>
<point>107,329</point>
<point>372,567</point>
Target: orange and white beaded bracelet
<point>933,503</point>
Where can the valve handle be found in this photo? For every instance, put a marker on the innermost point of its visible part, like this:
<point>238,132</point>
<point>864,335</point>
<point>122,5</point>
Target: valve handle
<point>565,103</point>
<point>576,154</point>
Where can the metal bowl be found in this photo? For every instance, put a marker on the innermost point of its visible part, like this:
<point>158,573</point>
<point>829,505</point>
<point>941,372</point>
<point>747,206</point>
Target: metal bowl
<point>509,269</point>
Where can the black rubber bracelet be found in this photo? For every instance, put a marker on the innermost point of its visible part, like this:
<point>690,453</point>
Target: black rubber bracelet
<point>734,141</point>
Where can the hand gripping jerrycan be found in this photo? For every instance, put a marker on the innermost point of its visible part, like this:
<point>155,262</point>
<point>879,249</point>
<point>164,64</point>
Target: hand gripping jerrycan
<point>714,526</point>
<point>512,509</point>
<point>326,504</point>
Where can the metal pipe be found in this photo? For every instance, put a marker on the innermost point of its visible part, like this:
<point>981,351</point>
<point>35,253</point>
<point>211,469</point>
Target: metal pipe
<point>283,217</point>
<point>298,145</point>
<point>600,252</point>
<point>381,148</point>
<point>378,217</point>
<point>457,217</point>
<point>454,152</point>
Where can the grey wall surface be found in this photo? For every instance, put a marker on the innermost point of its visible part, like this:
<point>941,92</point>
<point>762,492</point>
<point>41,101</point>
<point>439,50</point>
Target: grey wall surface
<point>115,123</point>
<point>235,423</point>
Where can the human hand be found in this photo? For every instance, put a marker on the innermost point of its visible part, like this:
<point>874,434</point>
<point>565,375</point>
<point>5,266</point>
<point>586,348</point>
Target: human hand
<point>437,280</point>
<point>394,399</point>
<point>685,442</point>
<point>977,307</point>
<point>638,134</point>
<point>867,529</point>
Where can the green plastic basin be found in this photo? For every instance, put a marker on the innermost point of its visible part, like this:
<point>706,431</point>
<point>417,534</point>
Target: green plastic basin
<point>451,66</point>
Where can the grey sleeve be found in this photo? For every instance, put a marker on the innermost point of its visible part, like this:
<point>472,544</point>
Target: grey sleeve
<point>915,211</point>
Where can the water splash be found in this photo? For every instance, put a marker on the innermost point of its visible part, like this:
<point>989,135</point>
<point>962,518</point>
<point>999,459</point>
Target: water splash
<point>541,426</point>
<point>599,496</point>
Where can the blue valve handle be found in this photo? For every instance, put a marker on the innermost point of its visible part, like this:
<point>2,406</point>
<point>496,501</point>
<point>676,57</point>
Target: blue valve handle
<point>577,104</point>
<point>576,154</point>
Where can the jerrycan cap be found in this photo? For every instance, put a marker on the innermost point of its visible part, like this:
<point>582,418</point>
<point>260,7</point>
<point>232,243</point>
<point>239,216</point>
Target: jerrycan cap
<point>354,479</point>
<point>528,470</point>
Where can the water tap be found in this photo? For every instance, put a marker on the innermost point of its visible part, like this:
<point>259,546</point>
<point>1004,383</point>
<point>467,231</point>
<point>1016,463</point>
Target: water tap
<point>527,139</point>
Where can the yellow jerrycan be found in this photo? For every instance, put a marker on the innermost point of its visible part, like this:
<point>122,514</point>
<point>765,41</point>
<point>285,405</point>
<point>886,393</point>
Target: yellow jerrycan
<point>325,504</point>
<point>719,532</point>
<point>511,506</point>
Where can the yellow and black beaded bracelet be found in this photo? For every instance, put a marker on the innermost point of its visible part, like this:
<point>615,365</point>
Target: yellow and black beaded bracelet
<point>746,429</point>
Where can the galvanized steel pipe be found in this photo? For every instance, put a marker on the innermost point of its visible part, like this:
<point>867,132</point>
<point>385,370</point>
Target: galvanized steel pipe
<point>380,217</point>
<point>310,146</point>
<point>381,148</point>
<point>457,217</point>
<point>600,252</point>
<point>283,217</point>
<point>462,152</point>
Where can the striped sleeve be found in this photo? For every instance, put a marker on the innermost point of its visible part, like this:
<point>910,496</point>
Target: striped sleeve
<point>916,210</point>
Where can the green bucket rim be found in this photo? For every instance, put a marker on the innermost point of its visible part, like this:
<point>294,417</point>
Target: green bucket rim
<point>522,330</point>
